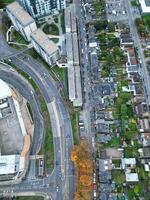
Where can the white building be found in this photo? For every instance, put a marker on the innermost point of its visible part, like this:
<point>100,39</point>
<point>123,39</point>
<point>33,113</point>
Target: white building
<point>42,8</point>
<point>45,47</point>
<point>132,177</point>
<point>145,6</point>
<point>9,164</point>
<point>22,21</point>
<point>74,77</point>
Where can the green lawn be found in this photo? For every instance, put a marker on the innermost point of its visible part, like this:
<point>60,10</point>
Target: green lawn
<point>99,7</point>
<point>136,191</point>
<point>30,111</point>
<point>29,198</point>
<point>6,23</point>
<point>143,25</point>
<point>131,152</point>
<point>109,43</point>
<point>63,21</point>
<point>117,163</point>
<point>4,3</point>
<point>51,29</point>
<point>134,3</point>
<point>114,142</point>
<point>75,127</point>
<point>118,176</point>
<point>17,37</point>
<point>143,175</point>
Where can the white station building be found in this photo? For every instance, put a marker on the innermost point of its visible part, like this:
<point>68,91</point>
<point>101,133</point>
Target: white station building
<point>14,166</point>
<point>145,6</point>
<point>74,76</point>
<point>22,21</point>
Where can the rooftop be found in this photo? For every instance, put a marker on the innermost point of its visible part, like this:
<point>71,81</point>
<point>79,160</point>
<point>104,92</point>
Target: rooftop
<point>145,5</point>
<point>5,91</point>
<point>11,123</point>
<point>9,164</point>
<point>11,138</point>
<point>132,177</point>
<point>44,42</point>
<point>22,16</point>
<point>126,38</point>
<point>114,153</point>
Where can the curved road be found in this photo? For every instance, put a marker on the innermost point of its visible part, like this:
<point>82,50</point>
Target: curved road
<point>26,90</point>
<point>63,171</point>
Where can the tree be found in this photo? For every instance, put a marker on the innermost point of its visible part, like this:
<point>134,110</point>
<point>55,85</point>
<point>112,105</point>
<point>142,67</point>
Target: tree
<point>123,109</point>
<point>2,4</point>
<point>74,154</point>
<point>85,180</point>
<point>81,156</point>
<point>100,25</point>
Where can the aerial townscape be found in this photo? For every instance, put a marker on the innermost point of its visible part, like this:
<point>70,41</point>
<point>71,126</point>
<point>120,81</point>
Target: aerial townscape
<point>74,99</point>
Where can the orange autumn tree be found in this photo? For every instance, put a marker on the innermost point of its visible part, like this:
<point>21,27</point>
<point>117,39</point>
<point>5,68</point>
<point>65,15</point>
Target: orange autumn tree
<point>82,159</point>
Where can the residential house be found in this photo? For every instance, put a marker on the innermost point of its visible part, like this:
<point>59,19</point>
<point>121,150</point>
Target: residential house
<point>128,164</point>
<point>131,65</point>
<point>126,40</point>
<point>141,110</point>
<point>145,139</point>
<point>144,125</point>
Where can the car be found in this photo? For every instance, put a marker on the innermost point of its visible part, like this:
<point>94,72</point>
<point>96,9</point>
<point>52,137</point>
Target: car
<point>57,188</point>
<point>57,163</point>
<point>41,163</point>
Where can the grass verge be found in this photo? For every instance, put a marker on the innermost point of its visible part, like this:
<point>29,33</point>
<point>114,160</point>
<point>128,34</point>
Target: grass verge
<point>74,122</point>
<point>30,111</point>
<point>29,198</point>
<point>61,72</point>
<point>51,29</point>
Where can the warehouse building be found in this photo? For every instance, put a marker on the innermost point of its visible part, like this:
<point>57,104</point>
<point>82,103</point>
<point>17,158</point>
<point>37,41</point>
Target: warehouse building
<point>145,6</point>
<point>45,47</point>
<point>22,21</point>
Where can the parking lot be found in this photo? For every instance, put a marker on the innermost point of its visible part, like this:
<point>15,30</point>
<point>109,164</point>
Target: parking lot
<point>116,10</point>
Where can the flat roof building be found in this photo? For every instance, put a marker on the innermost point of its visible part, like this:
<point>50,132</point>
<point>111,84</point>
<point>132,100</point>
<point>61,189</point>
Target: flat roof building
<point>71,83</point>
<point>14,140</point>
<point>131,177</point>
<point>78,100</point>
<point>145,6</point>
<point>22,21</point>
<point>9,164</point>
<point>45,47</point>
<point>4,90</point>
<point>74,77</point>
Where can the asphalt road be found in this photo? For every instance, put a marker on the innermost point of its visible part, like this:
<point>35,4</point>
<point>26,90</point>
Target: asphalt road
<point>85,65</point>
<point>137,42</point>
